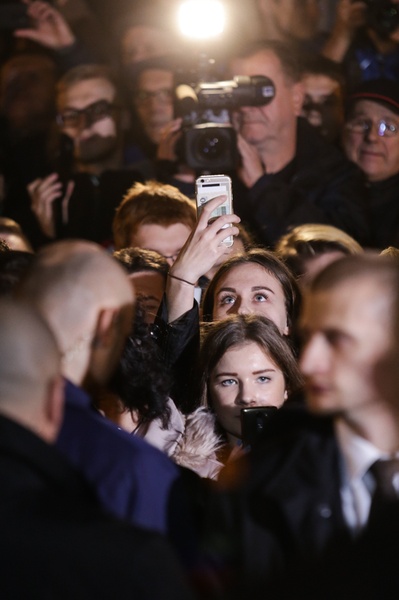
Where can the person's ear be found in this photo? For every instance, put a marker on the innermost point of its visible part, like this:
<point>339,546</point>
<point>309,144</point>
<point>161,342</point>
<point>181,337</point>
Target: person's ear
<point>285,395</point>
<point>298,96</point>
<point>54,406</point>
<point>105,328</point>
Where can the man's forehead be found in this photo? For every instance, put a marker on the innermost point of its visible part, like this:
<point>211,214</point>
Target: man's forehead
<point>320,84</point>
<point>260,63</point>
<point>86,92</point>
<point>155,77</point>
<point>346,302</point>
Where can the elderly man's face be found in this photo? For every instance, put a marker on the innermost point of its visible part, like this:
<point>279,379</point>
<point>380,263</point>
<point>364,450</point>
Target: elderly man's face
<point>261,125</point>
<point>375,154</point>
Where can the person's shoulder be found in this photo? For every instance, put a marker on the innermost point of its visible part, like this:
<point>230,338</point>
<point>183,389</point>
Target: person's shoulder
<point>295,438</point>
<point>317,154</point>
<point>83,428</point>
<point>291,429</point>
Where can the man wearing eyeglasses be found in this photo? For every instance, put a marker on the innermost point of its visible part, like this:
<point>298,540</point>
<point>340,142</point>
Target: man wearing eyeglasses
<point>87,177</point>
<point>155,130</point>
<point>371,140</point>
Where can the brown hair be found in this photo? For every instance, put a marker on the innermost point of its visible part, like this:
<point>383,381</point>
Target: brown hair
<point>150,203</point>
<point>311,240</point>
<point>239,330</point>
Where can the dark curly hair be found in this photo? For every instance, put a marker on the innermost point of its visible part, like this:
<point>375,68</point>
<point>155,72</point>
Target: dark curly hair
<point>141,380</point>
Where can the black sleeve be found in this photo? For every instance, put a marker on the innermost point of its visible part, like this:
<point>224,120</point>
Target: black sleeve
<point>179,344</point>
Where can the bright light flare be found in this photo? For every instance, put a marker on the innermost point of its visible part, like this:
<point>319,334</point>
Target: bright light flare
<point>201,19</point>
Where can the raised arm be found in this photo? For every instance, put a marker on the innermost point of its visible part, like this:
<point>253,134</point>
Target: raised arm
<point>350,16</point>
<point>202,250</point>
<point>49,28</point>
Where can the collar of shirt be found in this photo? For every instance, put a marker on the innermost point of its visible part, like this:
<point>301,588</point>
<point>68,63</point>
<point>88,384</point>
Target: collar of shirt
<point>357,485</point>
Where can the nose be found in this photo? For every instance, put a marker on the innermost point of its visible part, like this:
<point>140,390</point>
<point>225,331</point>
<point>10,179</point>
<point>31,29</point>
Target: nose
<point>240,307</point>
<point>371,134</point>
<point>313,356</point>
<point>245,396</point>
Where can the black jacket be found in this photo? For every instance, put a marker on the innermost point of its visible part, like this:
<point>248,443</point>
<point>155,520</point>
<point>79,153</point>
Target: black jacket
<point>283,511</point>
<point>384,208</point>
<point>55,543</point>
<point>319,186</point>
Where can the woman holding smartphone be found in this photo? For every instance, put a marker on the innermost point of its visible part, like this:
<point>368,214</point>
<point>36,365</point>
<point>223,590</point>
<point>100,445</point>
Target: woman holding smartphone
<point>244,362</point>
<point>253,282</point>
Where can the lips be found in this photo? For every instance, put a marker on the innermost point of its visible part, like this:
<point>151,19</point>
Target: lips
<point>370,154</point>
<point>317,388</point>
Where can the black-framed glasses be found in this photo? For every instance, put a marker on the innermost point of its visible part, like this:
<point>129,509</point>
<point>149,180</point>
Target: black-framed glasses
<point>72,117</point>
<point>361,125</point>
<point>165,95</point>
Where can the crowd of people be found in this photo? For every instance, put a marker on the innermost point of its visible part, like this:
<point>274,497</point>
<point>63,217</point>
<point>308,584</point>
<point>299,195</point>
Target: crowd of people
<point>180,418</point>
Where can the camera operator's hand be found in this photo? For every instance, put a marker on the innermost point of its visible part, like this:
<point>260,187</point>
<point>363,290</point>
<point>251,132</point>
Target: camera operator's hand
<point>169,136</point>
<point>50,29</point>
<point>251,168</point>
<point>200,253</point>
<point>43,193</point>
<point>350,16</point>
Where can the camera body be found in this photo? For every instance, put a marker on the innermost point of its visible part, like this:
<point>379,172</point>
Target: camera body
<point>208,141</point>
<point>382,16</point>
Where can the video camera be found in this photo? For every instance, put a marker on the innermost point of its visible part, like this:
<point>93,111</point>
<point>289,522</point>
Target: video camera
<point>382,16</point>
<point>208,143</point>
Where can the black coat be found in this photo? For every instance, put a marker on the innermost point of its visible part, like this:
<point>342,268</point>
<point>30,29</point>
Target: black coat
<point>319,186</point>
<point>54,541</point>
<point>384,207</point>
<point>284,512</point>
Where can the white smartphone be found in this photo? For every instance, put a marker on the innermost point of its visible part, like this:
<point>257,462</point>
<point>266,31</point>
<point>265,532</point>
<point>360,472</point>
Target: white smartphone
<point>208,187</point>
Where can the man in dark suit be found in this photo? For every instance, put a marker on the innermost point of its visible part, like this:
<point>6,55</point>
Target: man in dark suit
<point>87,300</point>
<point>55,542</point>
<point>310,486</point>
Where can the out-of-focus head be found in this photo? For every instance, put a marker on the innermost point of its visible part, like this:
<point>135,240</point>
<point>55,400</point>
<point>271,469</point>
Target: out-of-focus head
<point>152,95</point>
<point>245,362</point>
<point>308,248</point>
<point>147,271</point>
<point>13,265</point>
<point>323,104</point>
<point>27,92</point>
<point>31,388</point>
<point>144,33</point>
<point>154,216</point>
<point>289,19</point>
<point>256,282</point>
<point>90,112</point>
<point>12,233</point>
<point>347,330</point>
<point>371,133</point>
<point>87,300</point>
<point>390,251</point>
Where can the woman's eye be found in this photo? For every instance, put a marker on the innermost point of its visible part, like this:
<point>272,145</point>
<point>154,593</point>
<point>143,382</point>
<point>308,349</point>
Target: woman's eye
<point>228,382</point>
<point>260,298</point>
<point>227,300</point>
<point>263,379</point>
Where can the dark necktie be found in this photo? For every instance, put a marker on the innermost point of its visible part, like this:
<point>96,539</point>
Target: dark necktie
<point>386,476</point>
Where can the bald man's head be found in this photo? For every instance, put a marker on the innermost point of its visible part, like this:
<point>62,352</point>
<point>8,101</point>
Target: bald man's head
<point>78,288</point>
<point>30,367</point>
